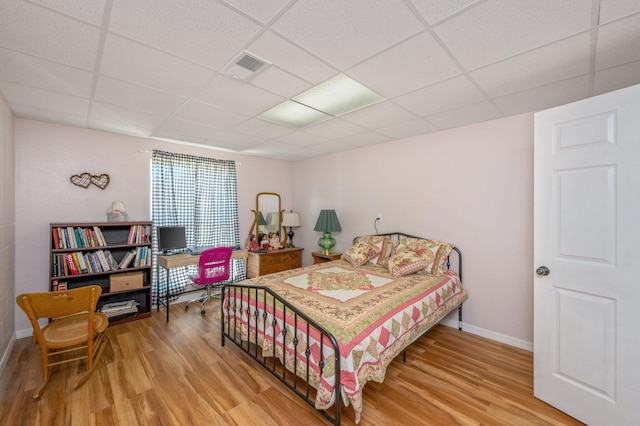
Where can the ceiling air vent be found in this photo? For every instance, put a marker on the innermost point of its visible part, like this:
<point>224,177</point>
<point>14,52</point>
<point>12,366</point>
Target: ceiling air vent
<point>245,66</point>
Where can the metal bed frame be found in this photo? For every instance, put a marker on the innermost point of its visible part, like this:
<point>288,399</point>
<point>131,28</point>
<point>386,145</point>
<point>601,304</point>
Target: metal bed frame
<point>290,375</point>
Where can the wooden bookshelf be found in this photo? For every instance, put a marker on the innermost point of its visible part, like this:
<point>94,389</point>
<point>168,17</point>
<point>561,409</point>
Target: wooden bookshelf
<point>93,253</point>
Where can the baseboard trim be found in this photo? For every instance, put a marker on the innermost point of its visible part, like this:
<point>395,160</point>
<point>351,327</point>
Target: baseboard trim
<point>7,353</point>
<point>498,337</point>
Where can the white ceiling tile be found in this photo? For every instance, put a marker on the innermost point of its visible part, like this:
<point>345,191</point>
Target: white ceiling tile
<point>30,71</point>
<point>291,58</point>
<point>415,63</point>
<point>126,60</point>
<point>378,115</point>
<point>90,11</point>
<point>51,116</point>
<point>557,61</point>
<point>371,26</point>
<point>186,131</point>
<point>261,10</point>
<point>497,29</point>
<point>540,98</point>
<point>331,147</point>
<point>439,97</point>
<point>435,11</point>
<point>34,30</point>
<point>262,129</point>
<point>280,82</point>
<point>235,95</point>
<point>44,100</point>
<point>614,9</point>
<point>209,115</point>
<point>117,118</point>
<point>618,42</point>
<point>301,139</point>
<point>416,126</point>
<point>334,129</point>
<point>365,139</point>
<point>133,96</point>
<point>235,141</point>
<point>468,114</point>
<point>206,32</point>
<point>617,78</point>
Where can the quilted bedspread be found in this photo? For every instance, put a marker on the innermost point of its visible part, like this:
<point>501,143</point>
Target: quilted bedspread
<point>372,315</point>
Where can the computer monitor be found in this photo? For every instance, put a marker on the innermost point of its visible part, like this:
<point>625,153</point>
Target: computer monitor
<point>171,238</point>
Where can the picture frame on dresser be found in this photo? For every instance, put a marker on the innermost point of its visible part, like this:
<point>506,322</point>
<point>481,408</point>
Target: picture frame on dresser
<point>114,255</point>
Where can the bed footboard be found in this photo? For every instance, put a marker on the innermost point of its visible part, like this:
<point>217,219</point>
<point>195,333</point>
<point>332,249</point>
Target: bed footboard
<point>296,371</point>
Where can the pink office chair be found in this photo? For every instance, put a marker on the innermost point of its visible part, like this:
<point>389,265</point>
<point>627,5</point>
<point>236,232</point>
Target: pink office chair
<point>213,268</point>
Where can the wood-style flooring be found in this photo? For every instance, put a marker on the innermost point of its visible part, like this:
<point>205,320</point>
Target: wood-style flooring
<point>154,373</point>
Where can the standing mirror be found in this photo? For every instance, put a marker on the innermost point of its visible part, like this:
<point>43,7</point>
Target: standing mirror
<point>268,218</point>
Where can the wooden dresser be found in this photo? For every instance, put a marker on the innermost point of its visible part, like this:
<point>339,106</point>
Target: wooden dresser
<point>273,261</point>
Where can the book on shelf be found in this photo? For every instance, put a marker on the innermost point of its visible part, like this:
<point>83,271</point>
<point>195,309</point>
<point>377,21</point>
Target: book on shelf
<point>126,260</point>
<point>104,264</point>
<point>70,264</point>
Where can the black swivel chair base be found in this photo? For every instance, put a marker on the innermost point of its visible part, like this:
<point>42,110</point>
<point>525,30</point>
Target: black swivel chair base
<point>213,291</point>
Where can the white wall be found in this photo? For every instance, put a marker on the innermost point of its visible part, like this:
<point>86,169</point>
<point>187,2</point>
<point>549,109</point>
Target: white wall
<point>472,186</point>
<point>48,154</point>
<point>7,232</point>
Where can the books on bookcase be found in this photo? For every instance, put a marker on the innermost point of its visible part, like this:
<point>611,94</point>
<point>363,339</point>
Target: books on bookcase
<point>90,253</point>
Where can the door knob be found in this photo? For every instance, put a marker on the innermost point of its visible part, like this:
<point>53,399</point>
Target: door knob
<point>543,271</point>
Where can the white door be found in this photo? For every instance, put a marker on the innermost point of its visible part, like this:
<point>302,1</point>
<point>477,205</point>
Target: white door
<point>587,234</point>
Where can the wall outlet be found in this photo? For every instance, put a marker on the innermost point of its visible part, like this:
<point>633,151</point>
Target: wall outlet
<point>379,216</point>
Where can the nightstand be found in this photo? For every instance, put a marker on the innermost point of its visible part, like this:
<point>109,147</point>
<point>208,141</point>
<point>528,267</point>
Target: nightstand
<point>318,257</point>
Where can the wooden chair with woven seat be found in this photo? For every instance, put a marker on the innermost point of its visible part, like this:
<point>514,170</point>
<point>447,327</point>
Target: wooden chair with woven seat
<point>75,333</point>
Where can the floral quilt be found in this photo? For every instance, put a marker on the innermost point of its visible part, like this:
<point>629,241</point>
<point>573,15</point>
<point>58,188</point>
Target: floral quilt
<point>372,315</point>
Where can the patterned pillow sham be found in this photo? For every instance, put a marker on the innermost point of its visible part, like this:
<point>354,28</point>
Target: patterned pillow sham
<point>405,263</point>
<point>360,253</point>
<point>383,243</point>
<point>433,252</point>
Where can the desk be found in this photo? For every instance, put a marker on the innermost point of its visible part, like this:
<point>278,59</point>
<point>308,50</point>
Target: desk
<point>183,259</point>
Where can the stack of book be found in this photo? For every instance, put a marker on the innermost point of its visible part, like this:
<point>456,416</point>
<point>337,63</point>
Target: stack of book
<point>119,310</point>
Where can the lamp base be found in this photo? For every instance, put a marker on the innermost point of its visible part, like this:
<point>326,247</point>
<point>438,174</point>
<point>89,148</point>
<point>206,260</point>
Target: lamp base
<point>327,242</point>
<point>290,234</point>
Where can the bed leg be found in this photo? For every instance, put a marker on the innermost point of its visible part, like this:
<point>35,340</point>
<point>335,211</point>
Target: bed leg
<point>460,317</point>
<point>404,357</point>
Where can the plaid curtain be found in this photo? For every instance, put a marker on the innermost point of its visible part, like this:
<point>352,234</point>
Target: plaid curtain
<point>200,194</point>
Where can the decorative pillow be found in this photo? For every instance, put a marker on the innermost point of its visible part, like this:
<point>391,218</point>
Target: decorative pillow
<point>360,253</point>
<point>405,263</point>
<point>383,244</point>
<point>433,252</point>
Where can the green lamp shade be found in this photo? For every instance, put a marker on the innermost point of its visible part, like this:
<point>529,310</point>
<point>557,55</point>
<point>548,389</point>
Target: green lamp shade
<point>327,223</point>
<point>261,220</point>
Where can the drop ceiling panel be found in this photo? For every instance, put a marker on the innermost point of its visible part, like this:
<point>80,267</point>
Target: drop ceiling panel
<point>261,10</point>
<point>378,115</point>
<point>280,82</point>
<point>416,126</point>
<point>234,95</point>
<point>497,29</point>
<point>44,99</point>
<point>261,129</point>
<point>39,73</point>
<point>185,28</point>
<point>234,141</point>
<point>543,97</point>
<point>88,11</point>
<point>439,97</point>
<point>320,29</point>
<point>556,61</point>
<point>412,64</point>
<point>32,29</point>
<point>286,55</point>
<point>614,9</point>
<point>51,116</point>
<point>302,139</point>
<point>334,129</point>
<point>187,131</point>
<point>618,42</point>
<point>118,119</point>
<point>133,96</point>
<point>434,11</point>
<point>468,114</point>
<point>616,78</point>
<point>219,118</point>
<point>365,138</point>
<point>126,60</point>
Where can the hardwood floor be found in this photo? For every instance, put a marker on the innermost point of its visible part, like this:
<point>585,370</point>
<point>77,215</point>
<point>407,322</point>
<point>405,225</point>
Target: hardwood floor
<point>154,373</point>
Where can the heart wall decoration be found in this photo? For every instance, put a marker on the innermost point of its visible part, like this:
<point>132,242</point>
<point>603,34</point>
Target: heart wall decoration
<point>85,179</point>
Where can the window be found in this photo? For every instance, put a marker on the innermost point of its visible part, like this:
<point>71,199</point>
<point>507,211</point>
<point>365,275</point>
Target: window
<point>200,194</point>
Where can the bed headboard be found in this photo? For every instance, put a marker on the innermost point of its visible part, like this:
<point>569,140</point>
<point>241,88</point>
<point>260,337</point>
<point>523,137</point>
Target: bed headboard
<point>395,236</point>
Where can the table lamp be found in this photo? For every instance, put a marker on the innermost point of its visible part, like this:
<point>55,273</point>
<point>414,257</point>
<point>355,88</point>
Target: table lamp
<point>291,220</point>
<point>327,223</point>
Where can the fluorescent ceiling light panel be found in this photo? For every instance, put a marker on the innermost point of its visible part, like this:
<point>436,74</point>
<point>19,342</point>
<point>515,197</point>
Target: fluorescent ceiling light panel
<point>336,96</point>
<point>293,114</point>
